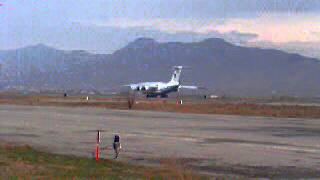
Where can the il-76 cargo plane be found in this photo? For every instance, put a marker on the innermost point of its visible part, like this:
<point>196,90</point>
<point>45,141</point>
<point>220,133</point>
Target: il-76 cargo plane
<point>162,89</point>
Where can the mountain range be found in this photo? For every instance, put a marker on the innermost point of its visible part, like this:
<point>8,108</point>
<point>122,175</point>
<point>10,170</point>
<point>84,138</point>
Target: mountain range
<point>221,67</point>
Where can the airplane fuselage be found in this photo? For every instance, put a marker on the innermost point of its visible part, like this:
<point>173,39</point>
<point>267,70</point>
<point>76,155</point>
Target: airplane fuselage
<point>154,89</point>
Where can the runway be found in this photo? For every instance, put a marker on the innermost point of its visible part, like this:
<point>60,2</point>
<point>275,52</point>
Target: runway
<point>214,143</point>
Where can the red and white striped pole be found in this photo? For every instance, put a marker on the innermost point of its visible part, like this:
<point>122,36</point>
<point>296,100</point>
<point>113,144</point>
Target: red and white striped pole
<point>97,152</point>
<point>97,145</point>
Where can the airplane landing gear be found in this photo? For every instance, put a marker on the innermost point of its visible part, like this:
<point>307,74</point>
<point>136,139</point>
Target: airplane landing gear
<point>164,96</point>
<point>151,96</point>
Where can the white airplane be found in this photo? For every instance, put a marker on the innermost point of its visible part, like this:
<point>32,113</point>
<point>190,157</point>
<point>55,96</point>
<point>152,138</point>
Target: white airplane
<point>162,89</point>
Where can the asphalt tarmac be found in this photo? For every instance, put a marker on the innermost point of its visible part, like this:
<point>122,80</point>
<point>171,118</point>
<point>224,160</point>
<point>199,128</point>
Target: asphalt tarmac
<point>247,146</point>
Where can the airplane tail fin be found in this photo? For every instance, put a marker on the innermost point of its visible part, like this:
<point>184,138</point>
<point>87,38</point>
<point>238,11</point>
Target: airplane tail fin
<point>176,74</point>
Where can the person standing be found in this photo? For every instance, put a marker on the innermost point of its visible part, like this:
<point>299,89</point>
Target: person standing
<point>116,145</point>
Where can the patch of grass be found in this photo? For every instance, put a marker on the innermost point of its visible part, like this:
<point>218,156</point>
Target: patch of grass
<point>23,161</point>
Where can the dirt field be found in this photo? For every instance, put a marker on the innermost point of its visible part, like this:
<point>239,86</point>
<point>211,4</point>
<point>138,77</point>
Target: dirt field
<point>248,107</point>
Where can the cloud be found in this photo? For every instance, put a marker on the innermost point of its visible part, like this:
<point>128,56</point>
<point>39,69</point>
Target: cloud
<point>316,34</point>
<point>168,25</point>
<point>270,20</point>
<point>277,28</point>
<point>207,8</point>
<point>273,28</point>
<point>104,39</point>
<point>239,38</point>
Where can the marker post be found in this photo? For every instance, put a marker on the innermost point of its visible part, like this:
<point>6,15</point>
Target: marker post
<point>97,145</point>
<point>97,152</point>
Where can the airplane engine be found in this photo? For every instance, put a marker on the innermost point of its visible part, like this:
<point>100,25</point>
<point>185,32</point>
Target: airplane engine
<point>144,88</point>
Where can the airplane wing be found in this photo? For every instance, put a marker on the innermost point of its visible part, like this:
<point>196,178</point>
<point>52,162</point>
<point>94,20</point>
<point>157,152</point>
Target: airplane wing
<point>132,86</point>
<point>191,87</point>
<point>142,87</point>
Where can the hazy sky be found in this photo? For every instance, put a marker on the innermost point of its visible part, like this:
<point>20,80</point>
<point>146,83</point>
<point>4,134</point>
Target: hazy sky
<point>104,26</point>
